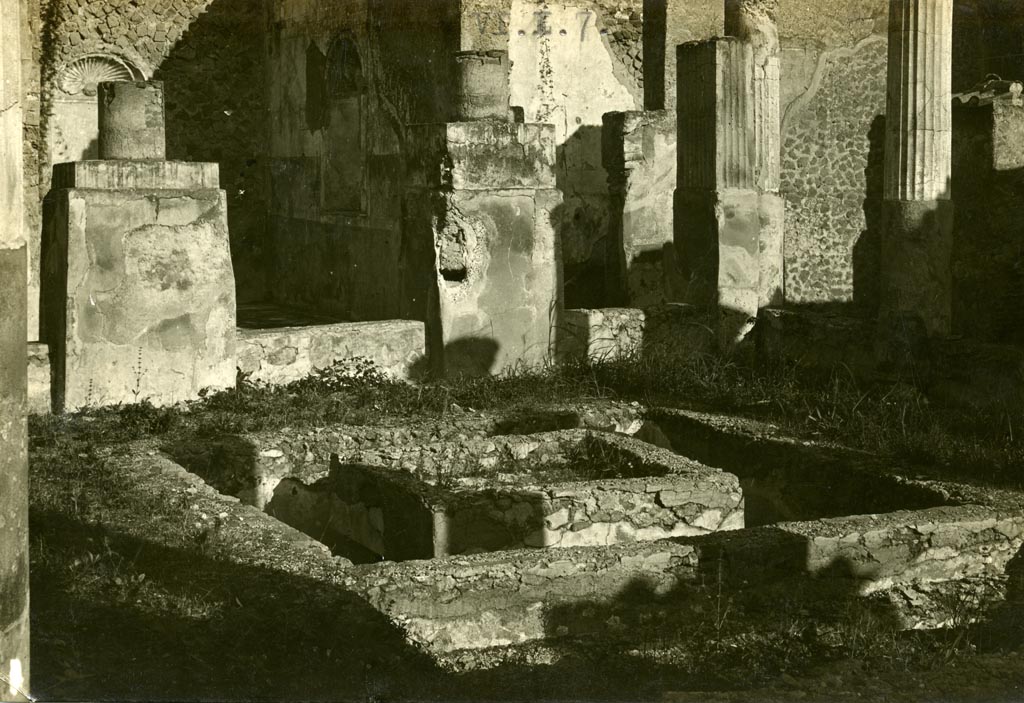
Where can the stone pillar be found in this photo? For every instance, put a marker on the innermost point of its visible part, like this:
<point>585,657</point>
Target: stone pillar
<point>14,619</point>
<point>917,243</point>
<point>717,203</point>
<point>753,22</point>
<point>131,118</point>
<point>479,250</point>
<point>639,154</point>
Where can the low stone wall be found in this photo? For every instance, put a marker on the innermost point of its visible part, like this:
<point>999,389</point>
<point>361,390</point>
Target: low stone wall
<point>509,492</point>
<point>787,480</point>
<point>910,543</point>
<point>607,334</point>
<point>257,462</point>
<point>497,600</point>
<point>283,355</point>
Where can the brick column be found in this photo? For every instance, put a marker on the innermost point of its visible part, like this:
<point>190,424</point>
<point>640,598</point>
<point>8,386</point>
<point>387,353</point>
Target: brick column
<point>14,621</point>
<point>753,22</point>
<point>717,203</point>
<point>916,247</point>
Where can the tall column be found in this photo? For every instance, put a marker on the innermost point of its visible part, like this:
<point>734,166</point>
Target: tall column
<point>754,23</point>
<point>916,247</point>
<point>717,204</point>
<point>14,623</point>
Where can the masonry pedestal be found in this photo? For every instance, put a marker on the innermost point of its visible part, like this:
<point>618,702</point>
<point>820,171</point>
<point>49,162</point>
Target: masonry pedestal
<point>479,247</point>
<point>139,295</point>
<point>916,251</point>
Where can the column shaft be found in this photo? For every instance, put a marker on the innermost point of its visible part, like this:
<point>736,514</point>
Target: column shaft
<point>754,23</point>
<point>918,115</point>
<point>917,241</point>
<point>14,616</point>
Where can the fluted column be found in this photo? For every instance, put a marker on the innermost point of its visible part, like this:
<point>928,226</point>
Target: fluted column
<point>754,23</point>
<point>717,207</point>
<point>919,131</point>
<point>916,276</point>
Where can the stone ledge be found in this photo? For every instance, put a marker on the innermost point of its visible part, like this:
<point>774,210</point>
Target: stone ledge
<point>136,175</point>
<point>501,599</point>
<point>607,334</point>
<point>484,155</point>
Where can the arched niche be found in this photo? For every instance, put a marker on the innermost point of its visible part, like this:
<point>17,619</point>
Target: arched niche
<point>74,123</point>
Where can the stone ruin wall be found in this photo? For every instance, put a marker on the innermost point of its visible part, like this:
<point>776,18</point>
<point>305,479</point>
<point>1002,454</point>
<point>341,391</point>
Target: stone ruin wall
<point>833,87</point>
<point>833,102</point>
<point>337,234</point>
<point>571,62</point>
<point>209,53</point>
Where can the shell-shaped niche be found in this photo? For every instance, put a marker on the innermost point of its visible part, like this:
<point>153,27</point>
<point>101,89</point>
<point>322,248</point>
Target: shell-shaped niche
<point>81,76</point>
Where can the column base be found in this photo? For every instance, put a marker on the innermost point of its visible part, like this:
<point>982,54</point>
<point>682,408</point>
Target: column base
<point>916,272</point>
<point>717,234</point>
<point>771,240</point>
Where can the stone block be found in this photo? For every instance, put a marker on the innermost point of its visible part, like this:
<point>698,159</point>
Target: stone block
<point>139,295</point>
<point>494,301</point>
<point>481,155</point>
<point>127,175</point>
<point>1008,136</point>
<point>717,235</point>
<point>816,341</point>
<point>607,334</point>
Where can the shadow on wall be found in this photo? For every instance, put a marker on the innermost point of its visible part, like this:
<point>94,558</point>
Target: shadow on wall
<point>867,250</point>
<point>581,220</point>
<point>213,83</point>
<point>468,356</point>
